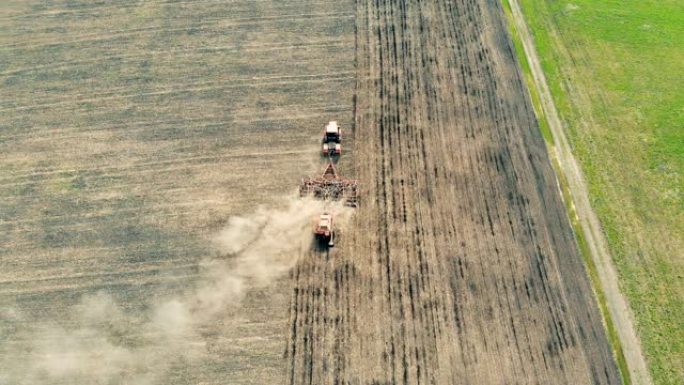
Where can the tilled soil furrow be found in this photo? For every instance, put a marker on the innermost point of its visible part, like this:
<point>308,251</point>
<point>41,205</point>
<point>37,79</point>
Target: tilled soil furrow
<point>466,266</point>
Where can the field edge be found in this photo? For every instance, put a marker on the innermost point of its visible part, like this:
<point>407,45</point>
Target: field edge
<point>631,372</point>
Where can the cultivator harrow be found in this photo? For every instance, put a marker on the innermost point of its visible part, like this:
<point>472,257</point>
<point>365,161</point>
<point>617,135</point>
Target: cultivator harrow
<point>330,186</point>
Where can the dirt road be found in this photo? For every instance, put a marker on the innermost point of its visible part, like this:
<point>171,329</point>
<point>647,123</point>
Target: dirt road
<point>462,267</point>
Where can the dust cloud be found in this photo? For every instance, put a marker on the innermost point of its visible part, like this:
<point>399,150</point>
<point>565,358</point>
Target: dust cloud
<point>106,344</point>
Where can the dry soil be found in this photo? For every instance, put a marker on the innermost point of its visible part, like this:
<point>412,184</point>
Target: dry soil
<point>131,132</point>
<point>462,267</point>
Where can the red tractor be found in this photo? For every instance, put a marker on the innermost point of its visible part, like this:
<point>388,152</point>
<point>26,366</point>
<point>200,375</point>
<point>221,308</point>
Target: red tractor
<point>332,139</point>
<point>323,230</point>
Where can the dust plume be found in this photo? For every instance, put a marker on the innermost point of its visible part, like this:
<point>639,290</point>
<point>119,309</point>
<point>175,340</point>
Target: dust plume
<point>106,344</point>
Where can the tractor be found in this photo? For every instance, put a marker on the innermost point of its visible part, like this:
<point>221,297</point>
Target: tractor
<point>324,231</point>
<point>332,139</point>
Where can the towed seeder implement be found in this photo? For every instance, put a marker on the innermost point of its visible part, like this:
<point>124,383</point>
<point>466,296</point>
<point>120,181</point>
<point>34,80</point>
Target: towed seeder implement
<point>330,186</point>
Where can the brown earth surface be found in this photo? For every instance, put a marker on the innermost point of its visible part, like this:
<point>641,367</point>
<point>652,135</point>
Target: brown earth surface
<point>132,132</point>
<point>461,267</point>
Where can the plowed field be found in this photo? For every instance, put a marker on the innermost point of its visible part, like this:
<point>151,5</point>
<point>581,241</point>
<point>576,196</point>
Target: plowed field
<point>132,133</point>
<point>462,268</point>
